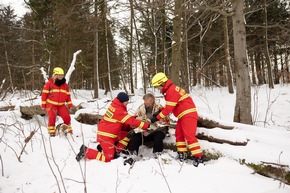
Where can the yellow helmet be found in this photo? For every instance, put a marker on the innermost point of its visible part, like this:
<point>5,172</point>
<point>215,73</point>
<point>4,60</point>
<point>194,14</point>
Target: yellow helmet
<point>158,79</point>
<point>58,70</point>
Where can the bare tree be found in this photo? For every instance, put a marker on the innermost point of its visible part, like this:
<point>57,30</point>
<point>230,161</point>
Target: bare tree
<point>243,84</point>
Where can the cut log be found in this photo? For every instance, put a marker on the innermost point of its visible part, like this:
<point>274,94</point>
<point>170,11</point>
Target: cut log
<point>90,119</point>
<point>27,112</point>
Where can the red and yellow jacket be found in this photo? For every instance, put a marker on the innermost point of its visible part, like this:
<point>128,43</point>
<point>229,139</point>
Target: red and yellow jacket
<point>114,119</point>
<point>55,95</point>
<point>177,101</point>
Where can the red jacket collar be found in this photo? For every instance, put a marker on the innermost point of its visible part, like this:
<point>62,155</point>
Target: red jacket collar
<point>166,86</point>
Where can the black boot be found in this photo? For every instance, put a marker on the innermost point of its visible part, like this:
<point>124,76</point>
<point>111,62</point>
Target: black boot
<point>197,161</point>
<point>182,156</point>
<point>132,158</point>
<point>82,152</point>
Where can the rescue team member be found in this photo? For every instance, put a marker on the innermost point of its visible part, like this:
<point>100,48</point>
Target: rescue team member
<point>110,135</point>
<point>146,111</point>
<point>182,106</point>
<point>55,96</point>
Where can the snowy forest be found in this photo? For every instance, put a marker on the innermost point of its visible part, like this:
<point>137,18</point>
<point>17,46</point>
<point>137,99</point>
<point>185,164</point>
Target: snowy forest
<point>224,43</point>
<point>231,56</point>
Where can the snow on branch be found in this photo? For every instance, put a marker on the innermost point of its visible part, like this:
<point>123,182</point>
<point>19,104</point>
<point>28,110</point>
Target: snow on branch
<point>72,66</point>
<point>44,74</point>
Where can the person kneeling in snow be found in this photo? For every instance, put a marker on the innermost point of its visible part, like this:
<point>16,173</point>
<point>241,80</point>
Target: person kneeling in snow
<point>110,135</point>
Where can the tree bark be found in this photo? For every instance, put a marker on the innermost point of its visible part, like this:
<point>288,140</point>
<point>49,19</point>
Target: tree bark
<point>243,84</point>
<point>227,56</point>
<point>176,45</point>
<point>266,48</point>
<point>96,67</point>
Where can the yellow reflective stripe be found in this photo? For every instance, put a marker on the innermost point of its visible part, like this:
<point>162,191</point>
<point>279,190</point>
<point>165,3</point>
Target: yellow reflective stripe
<point>51,129</point>
<point>141,125</point>
<point>107,134</point>
<point>43,102</point>
<point>161,115</point>
<point>184,97</point>
<point>110,120</point>
<point>171,103</point>
<point>123,142</point>
<point>125,118</point>
<point>181,149</point>
<point>100,157</point>
<point>59,90</point>
<point>186,112</point>
<point>196,152</point>
<point>69,102</point>
<point>54,103</point>
<point>68,93</point>
<point>45,91</point>
<point>180,143</point>
<point>193,145</point>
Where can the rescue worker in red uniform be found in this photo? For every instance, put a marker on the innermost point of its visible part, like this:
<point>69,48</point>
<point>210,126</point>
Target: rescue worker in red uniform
<point>182,106</point>
<point>111,134</point>
<point>55,96</point>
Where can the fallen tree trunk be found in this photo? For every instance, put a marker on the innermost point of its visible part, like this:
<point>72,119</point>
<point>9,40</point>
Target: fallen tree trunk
<point>27,112</point>
<point>202,136</point>
<point>7,108</point>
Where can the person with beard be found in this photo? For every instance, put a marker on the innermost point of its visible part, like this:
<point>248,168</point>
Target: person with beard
<point>55,96</point>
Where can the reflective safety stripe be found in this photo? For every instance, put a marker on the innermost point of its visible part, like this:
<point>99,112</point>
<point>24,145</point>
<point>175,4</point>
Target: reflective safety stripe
<point>161,115</point>
<point>107,134</point>
<point>100,157</point>
<point>45,91</point>
<point>141,125</point>
<point>59,90</point>
<point>184,97</point>
<point>51,129</point>
<point>180,143</point>
<point>110,120</point>
<point>55,103</point>
<point>186,112</point>
<point>44,102</point>
<point>184,149</point>
<point>193,145</point>
<point>194,152</point>
<point>171,103</point>
<point>124,141</point>
<point>125,118</point>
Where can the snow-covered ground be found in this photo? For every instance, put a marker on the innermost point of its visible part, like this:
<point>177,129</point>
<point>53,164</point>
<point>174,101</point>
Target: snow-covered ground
<point>48,165</point>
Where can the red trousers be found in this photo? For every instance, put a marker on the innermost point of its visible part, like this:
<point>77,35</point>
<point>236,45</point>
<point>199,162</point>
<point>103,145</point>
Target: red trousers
<point>186,132</point>
<point>109,146</point>
<point>52,112</point>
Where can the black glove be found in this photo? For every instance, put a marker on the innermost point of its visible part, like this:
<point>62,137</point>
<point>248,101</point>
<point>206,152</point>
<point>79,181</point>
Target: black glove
<point>154,119</point>
<point>156,113</point>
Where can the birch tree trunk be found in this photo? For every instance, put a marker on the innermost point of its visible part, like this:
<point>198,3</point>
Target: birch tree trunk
<point>267,55</point>
<point>227,56</point>
<point>243,84</point>
<point>96,72</point>
<point>131,46</point>
<point>176,44</point>
<point>107,49</point>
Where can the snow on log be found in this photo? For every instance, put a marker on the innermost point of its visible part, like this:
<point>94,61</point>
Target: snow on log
<point>209,122</point>
<point>218,135</point>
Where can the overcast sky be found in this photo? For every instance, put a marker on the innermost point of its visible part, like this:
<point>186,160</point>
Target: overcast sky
<point>17,5</point>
